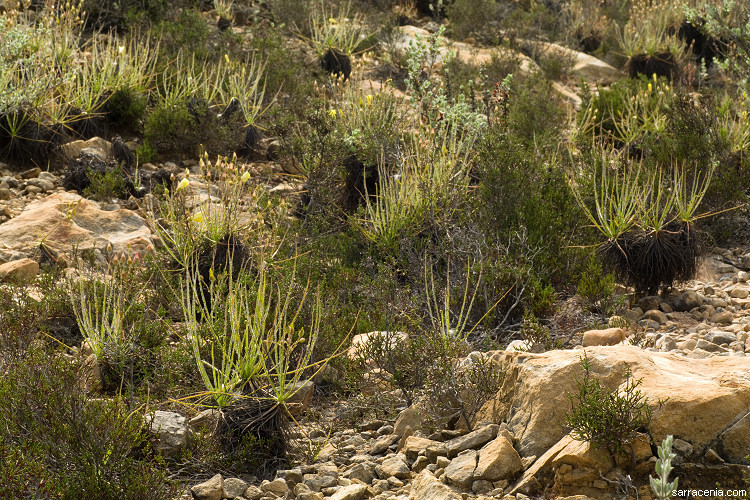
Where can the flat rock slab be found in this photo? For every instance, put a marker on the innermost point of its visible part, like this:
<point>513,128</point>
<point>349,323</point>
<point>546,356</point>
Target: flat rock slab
<point>66,222</point>
<point>473,440</point>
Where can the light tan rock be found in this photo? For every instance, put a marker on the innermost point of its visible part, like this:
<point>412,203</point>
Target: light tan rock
<point>607,336</point>
<point>460,472</point>
<point>722,318</point>
<point>568,95</point>
<point>254,493</point>
<point>213,489</point>
<point>394,466</point>
<point>736,441</point>
<point>207,420</point>
<point>301,399</point>
<point>427,487</point>
<point>170,431</point>
<point>96,146</point>
<point>473,440</point>
<point>382,444</point>
<point>583,66</point>
<point>704,397</point>
<point>351,492</point>
<point>414,444</point>
<point>278,487</point>
<point>66,221</point>
<point>409,418</point>
<point>389,339</point>
<point>234,487</point>
<point>498,460</point>
<point>584,455</point>
<point>19,271</point>
<point>656,315</point>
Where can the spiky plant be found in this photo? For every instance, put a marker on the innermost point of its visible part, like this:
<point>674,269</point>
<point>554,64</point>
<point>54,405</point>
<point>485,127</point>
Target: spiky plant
<point>647,220</point>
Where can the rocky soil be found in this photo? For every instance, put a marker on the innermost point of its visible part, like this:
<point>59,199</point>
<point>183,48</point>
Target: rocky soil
<point>689,348</point>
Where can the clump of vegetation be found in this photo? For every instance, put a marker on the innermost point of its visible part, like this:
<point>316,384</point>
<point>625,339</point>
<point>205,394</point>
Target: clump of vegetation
<point>648,222</point>
<point>84,446</point>
<point>457,390</point>
<point>649,39</point>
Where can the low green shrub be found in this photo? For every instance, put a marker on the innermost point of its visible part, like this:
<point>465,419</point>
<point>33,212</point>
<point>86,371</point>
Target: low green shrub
<point>106,185</point>
<point>608,418</point>
<point>476,18</point>
<point>67,445</point>
<point>728,21</point>
<point>190,33</point>
<point>125,109</point>
<point>171,128</point>
<point>523,187</point>
<point>456,390</point>
<point>26,319</point>
<point>596,287</point>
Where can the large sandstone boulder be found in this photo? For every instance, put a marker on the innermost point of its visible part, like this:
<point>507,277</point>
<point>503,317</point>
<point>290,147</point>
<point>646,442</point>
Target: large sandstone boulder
<point>707,400</point>
<point>583,66</point>
<point>66,222</point>
<point>465,52</point>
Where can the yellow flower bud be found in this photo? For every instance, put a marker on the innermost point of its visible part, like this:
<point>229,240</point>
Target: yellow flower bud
<point>183,184</point>
<point>369,99</point>
<point>332,113</point>
<point>245,177</point>
<point>197,217</point>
